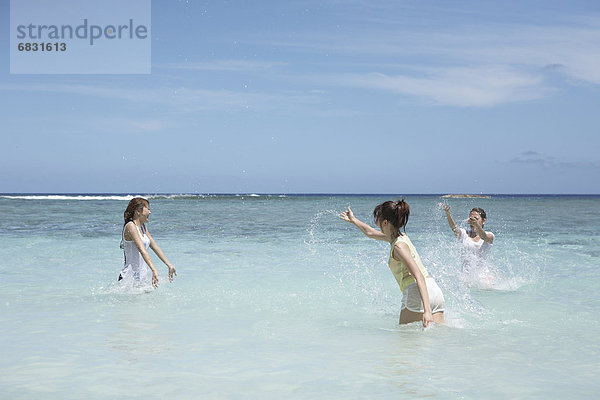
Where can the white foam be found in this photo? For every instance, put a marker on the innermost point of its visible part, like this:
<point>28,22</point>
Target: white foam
<point>101,197</point>
<point>69,197</point>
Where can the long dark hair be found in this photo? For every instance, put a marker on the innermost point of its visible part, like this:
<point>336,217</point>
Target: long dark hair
<point>135,204</point>
<point>396,212</point>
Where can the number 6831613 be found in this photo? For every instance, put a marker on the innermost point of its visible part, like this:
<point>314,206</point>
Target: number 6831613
<point>43,46</point>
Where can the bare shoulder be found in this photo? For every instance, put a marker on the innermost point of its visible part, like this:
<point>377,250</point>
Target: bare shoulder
<point>130,226</point>
<point>401,249</point>
<point>400,245</point>
<point>129,230</point>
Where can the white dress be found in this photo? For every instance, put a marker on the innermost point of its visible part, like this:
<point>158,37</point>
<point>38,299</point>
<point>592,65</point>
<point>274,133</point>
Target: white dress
<point>474,253</point>
<point>481,247</point>
<point>135,267</point>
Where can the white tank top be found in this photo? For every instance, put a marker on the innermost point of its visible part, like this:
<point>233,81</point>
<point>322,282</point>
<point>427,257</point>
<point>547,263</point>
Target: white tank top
<point>473,253</point>
<point>480,247</point>
<point>135,267</point>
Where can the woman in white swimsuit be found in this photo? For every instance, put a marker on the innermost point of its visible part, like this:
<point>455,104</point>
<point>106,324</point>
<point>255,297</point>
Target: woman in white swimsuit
<point>422,299</point>
<point>476,241</point>
<point>136,240</point>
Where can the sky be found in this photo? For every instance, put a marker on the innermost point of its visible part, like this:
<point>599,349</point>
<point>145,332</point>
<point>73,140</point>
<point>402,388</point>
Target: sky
<point>321,97</point>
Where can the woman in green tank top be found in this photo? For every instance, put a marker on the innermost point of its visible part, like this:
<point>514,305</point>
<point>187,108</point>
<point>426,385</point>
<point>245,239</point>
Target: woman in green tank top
<point>422,299</point>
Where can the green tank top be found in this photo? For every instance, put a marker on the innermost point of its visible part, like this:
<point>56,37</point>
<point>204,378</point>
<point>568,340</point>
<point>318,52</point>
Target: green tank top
<point>399,269</point>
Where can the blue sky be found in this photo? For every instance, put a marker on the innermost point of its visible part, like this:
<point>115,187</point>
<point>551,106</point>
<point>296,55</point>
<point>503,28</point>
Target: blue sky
<point>322,97</point>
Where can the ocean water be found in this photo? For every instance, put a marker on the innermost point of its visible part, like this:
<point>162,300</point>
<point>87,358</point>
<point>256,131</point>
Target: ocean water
<point>278,298</point>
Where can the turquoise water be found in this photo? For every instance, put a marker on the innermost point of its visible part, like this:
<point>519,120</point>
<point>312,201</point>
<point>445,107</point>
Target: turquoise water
<point>277,297</point>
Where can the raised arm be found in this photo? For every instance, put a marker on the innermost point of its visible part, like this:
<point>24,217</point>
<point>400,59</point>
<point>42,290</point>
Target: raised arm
<point>370,232</point>
<point>162,256</point>
<point>402,253</point>
<point>133,233</point>
<point>451,222</point>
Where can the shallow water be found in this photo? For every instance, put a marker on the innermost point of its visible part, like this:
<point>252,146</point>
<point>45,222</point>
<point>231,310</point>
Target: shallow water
<point>278,297</point>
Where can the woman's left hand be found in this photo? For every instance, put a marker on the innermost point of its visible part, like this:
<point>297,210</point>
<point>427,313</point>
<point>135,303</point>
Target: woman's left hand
<point>172,272</point>
<point>427,318</point>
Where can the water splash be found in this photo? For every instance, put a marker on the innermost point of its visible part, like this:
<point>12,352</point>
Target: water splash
<point>361,272</point>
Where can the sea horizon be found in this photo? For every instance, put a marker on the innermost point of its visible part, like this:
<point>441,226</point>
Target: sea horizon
<point>299,194</point>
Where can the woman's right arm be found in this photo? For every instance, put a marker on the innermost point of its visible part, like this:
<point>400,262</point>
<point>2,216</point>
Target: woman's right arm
<point>131,229</point>
<point>451,222</point>
<point>370,232</point>
<point>402,253</point>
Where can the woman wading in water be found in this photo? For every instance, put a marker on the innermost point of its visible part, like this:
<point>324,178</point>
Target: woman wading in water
<point>476,243</point>
<point>135,241</point>
<point>422,299</point>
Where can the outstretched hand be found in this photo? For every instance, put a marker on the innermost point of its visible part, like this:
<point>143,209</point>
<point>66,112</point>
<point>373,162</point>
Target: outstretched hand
<point>347,215</point>
<point>446,207</point>
<point>154,280</point>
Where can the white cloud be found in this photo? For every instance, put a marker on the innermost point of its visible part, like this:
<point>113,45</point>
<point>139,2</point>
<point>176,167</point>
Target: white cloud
<point>226,65</point>
<point>575,48</point>
<point>474,65</point>
<point>181,99</point>
<point>133,95</point>
<point>464,87</point>
<point>117,126</point>
<point>146,126</point>
<point>471,66</point>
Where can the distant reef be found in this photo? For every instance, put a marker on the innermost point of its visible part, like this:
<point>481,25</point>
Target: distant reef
<point>466,196</point>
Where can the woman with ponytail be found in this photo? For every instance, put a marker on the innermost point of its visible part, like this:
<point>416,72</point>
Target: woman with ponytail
<point>422,299</point>
<point>135,241</point>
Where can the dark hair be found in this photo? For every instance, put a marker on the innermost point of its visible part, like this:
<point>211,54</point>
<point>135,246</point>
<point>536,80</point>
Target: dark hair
<point>396,212</point>
<point>479,211</point>
<point>135,204</point>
